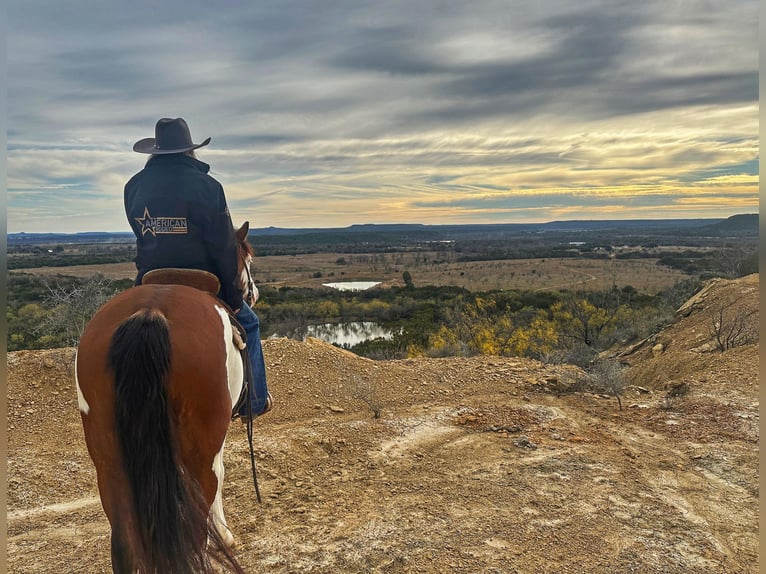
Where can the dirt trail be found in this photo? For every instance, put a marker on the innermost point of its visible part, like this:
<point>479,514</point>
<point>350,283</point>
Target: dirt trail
<point>477,465</point>
<point>588,278</point>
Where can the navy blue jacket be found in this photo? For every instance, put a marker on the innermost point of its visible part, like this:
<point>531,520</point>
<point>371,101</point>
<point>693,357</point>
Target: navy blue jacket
<point>180,218</point>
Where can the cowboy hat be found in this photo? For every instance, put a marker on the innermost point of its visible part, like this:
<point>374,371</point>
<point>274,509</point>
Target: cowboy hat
<point>170,136</point>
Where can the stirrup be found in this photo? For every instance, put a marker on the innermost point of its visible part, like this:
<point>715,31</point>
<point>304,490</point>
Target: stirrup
<point>269,405</point>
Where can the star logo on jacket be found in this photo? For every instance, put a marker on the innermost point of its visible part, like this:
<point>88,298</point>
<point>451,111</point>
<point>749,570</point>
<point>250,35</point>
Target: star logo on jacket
<point>147,223</point>
<point>161,225</point>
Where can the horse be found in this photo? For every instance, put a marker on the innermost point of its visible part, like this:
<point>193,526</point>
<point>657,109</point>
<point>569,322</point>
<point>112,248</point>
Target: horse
<point>157,372</point>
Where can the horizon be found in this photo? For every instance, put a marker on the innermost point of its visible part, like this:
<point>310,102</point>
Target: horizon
<point>252,228</point>
<point>481,113</point>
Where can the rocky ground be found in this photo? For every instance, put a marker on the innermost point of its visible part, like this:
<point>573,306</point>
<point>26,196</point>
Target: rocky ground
<point>476,465</point>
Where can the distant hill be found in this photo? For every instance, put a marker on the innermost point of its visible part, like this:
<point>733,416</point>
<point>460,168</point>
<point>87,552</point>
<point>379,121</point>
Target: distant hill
<point>501,228</point>
<point>737,225</point>
<point>85,237</point>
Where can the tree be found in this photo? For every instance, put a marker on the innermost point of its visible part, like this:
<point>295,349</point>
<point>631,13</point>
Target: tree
<point>585,320</point>
<point>72,307</point>
<point>608,376</point>
<point>366,390</point>
<point>22,326</point>
<point>407,278</point>
<point>735,262</point>
<point>538,339</point>
<point>734,327</point>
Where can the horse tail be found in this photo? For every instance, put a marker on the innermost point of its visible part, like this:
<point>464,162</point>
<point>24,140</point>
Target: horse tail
<point>169,516</point>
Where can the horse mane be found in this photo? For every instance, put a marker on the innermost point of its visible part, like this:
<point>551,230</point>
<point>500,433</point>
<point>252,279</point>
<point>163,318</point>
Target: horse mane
<point>247,248</point>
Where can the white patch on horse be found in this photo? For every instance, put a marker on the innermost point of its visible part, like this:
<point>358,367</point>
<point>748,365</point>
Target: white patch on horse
<point>81,402</point>
<point>216,510</point>
<point>234,367</point>
<point>246,279</point>
<point>235,375</point>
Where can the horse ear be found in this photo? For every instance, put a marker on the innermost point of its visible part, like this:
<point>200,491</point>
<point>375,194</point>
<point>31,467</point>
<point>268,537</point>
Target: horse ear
<point>241,233</point>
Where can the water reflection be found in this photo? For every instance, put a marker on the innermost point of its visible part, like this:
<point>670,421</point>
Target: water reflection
<point>344,334</point>
<point>352,285</point>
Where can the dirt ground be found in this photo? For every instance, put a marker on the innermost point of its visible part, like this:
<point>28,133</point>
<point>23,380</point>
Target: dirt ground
<point>482,465</point>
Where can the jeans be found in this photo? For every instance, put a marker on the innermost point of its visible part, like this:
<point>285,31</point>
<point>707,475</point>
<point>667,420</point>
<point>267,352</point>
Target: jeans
<point>258,389</point>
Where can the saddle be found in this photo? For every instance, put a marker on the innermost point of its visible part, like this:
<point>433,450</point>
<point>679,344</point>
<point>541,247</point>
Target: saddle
<point>209,283</point>
<point>197,278</point>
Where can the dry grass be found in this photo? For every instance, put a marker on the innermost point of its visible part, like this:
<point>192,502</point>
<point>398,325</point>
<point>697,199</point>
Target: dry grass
<point>531,274</point>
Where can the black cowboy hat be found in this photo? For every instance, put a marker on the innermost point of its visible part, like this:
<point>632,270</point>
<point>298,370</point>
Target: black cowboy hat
<point>170,136</point>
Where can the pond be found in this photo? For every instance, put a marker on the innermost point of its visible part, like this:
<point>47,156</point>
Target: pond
<point>344,334</point>
<point>352,285</point>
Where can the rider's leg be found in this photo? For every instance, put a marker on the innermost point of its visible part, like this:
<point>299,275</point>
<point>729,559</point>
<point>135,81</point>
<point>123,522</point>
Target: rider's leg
<point>260,399</point>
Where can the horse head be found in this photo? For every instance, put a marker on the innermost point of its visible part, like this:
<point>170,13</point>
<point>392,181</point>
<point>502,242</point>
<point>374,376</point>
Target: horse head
<point>246,253</point>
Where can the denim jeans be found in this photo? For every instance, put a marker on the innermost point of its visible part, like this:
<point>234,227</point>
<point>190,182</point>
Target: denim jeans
<point>259,391</point>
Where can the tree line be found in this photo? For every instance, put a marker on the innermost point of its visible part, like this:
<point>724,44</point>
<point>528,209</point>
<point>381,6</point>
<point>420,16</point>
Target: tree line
<point>427,320</point>
<point>567,326</point>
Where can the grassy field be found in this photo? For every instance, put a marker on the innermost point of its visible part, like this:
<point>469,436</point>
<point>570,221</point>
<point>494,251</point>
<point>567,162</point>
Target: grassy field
<point>433,268</point>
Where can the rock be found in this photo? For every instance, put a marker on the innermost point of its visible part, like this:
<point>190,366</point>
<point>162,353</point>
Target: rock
<point>698,300</point>
<point>337,409</point>
<point>677,390</point>
<point>658,349</point>
<point>524,442</point>
<point>508,429</point>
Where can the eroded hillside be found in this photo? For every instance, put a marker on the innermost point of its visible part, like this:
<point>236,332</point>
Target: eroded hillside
<point>476,465</point>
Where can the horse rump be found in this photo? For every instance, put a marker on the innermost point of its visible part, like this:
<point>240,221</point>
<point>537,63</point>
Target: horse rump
<point>170,514</point>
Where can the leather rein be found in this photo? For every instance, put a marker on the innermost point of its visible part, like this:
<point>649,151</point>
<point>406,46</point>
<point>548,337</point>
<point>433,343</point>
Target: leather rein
<point>249,424</point>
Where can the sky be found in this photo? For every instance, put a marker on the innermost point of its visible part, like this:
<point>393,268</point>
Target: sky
<point>334,113</point>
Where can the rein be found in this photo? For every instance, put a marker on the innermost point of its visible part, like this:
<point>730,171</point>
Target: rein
<point>252,451</point>
<point>249,425</point>
<point>248,376</point>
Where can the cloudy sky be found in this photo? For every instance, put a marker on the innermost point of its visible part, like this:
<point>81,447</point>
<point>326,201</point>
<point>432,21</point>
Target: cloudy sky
<point>331,113</point>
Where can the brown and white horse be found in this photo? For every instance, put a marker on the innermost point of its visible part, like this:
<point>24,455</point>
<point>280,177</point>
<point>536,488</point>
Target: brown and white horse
<point>157,373</point>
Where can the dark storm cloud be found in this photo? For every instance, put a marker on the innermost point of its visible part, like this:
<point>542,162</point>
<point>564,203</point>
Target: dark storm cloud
<point>390,66</point>
<point>392,50</point>
<point>109,73</point>
<point>586,50</point>
<point>642,95</point>
<point>345,97</point>
<point>588,46</point>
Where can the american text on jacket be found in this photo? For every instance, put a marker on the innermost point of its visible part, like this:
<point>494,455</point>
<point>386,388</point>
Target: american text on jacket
<point>161,225</point>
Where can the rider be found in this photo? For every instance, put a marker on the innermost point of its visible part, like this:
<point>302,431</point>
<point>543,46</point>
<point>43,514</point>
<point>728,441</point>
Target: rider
<point>180,218</point>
